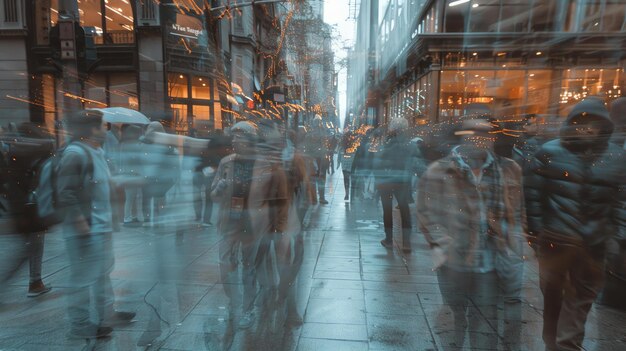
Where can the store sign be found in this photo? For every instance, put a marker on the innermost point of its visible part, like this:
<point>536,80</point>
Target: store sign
<point>186,27</point>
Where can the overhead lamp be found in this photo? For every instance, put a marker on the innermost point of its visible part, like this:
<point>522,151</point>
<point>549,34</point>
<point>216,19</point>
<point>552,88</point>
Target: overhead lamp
<point>475,5</point>
<point>458,2</point>
<point>539,53</point>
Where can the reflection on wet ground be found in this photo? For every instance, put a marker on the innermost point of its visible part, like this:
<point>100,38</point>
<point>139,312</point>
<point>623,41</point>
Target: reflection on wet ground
<point>352,294</point>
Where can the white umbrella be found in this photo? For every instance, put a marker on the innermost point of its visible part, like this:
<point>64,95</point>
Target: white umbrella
<point>123,115</point>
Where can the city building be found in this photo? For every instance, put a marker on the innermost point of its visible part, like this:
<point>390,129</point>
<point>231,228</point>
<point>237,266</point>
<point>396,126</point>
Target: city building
<point>173,60</point>
<point>433,58</point>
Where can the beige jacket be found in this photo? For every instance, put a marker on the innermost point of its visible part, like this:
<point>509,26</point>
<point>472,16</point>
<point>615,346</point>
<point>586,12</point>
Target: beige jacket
<point>268,201</point>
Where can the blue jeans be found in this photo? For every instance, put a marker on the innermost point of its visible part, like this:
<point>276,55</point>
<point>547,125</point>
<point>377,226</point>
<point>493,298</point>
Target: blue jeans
<point>91,262</point>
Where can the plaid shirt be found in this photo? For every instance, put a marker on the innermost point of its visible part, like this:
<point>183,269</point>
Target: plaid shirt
<point>472,218</point>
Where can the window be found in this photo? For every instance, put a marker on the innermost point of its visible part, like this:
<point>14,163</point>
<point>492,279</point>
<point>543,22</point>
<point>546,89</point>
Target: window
<point>111,90</point>
<point>456,16</point>
<point>123,91</point>
<point>11,14</point>
<point>578,83</point>
<point>177,86</point>
<point>201,88</point>
<point>180,121</point>
<point>543,15</point>
<point>501,89</point>
<point>479,16</point>
<point>600,15</point>
<point>514,16</point>
<point>193,103</point>
<point>109,21</point>
<point>95,91</point>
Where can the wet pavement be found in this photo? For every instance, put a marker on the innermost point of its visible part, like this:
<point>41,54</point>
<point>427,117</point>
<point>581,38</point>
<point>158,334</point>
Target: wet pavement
<point>353,294</point>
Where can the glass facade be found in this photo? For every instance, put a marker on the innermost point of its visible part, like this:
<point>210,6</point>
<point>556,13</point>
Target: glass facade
<point>484,16</point>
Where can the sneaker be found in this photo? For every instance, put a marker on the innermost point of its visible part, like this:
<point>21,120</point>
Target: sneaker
<point>246,320</point>
<point>37,288</point>
<point>90,332</point>
<point>387,243</point>
<point>207,224</point>
<point>118,318</point>
<point>323,202</point>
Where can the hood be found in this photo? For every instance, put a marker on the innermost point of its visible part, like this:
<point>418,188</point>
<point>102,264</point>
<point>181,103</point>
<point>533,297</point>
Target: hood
<point>591,109</point>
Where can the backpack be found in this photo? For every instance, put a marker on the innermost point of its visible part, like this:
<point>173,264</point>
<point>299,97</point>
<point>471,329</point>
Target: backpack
<point>44,198</point>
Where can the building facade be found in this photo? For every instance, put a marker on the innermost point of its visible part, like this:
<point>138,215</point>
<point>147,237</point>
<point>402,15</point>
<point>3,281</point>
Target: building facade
<point>172,60</point>
<point>434,58</point>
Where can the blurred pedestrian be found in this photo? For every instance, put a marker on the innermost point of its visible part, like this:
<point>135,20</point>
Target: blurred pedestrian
<point>112,153</point>
<point>23,230</point>
<point>83,185</point>
<point>252,195</point>
<point>160,169</point>
<point>393,179</point>
<point>318,147</point>
<point>470,209</point>
<point>576,203</point>
<point>346,160</point>
<point>130,166</point>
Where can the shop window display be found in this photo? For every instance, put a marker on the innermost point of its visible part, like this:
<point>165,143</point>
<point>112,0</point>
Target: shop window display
<point>579,83</point>
<point>506,91</point>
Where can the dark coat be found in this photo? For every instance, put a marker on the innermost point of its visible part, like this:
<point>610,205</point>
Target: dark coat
<point>392,164</point>
<point>575,191</point>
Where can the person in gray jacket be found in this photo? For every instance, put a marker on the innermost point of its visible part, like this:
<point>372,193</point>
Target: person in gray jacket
<point>575,202</point>
<point>83,186</point>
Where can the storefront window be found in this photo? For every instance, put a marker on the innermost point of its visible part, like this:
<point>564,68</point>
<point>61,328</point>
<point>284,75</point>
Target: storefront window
<point>503,90</point>
<point>578,84</point>
<point>539,90</point>
<point>201,88</point>
<point>123,91</point>
<point>95,91</point>
<point>109,90</point>
<point>180,121</point>
<point>201,112</point>
<point>177,85</point>
<point>452,94</point>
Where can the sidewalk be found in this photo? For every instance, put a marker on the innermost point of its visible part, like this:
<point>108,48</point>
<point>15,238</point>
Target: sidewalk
<point>352,293</point>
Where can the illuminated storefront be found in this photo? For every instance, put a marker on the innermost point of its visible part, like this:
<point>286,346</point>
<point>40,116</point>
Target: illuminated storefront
<point>519,58</point>
<point>192,91</point>
<point>143,55</point>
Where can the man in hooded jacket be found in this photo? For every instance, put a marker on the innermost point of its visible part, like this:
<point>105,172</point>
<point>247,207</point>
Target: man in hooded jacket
<point>575,203</point>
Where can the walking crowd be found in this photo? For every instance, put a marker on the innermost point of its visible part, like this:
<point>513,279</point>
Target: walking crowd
<point>482,207</point>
